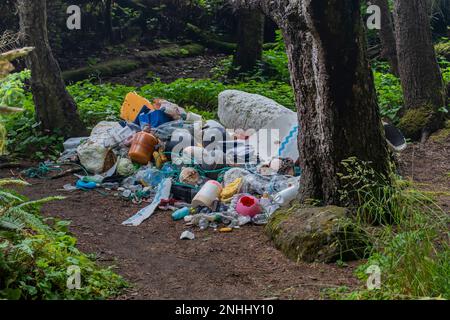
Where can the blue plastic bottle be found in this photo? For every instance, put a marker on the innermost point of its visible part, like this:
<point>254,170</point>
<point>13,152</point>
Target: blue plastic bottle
<point>180,214</point>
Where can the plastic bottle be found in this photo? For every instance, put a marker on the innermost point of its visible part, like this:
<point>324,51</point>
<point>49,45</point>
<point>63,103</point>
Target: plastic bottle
<point>181,213</point>
<point>284,197</point>
<point>150,177</point>
<point>203,223</point>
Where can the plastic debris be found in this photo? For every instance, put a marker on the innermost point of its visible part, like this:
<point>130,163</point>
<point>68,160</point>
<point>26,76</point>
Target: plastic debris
<point>187,235</point>
<point>145,213</point>
<point>231,189</point>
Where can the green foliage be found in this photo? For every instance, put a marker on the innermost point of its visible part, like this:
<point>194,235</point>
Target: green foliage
<point>34,256</point>
<point>443,49</point>
<point>98,102</point>
<point>410,243</point>
<point>273,67</point>
<point>203,93</point>
<point>12,91</point>
<point>277,61</point>
<point>389,90</point>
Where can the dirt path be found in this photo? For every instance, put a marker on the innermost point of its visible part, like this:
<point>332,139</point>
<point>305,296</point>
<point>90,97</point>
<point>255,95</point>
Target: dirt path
<point>239,265</point>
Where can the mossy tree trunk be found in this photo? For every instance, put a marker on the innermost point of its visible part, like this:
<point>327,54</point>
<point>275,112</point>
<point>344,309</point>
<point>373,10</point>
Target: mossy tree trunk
<point>334,90</point>
<point>250,40</point>
<point>55,108</point>
<point>423,87</point>
<point>387,37</point>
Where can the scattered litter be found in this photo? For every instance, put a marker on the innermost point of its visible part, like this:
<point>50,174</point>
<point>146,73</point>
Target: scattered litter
<point>162,193</point>
<point>181,213</point>
<point>82,185</point>
<point>187,235</point>
<point>248,206</point>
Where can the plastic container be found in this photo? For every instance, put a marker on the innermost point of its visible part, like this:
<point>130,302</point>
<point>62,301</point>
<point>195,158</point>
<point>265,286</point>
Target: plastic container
<point>85,185</point>
<point>248,206</point>
<point>143,146</point>
<point>183,193</point>
<point>209,193</point>
<point>133,105</point>
<point>284,197</point>
<point>180,214</point>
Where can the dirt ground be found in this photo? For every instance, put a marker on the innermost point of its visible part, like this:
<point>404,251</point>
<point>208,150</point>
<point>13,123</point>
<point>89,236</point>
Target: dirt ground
<point>240,265</point>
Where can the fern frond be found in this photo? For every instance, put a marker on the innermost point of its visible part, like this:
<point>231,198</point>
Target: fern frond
<point>40,201</point>
<point>27,219</point>
<point>11,223</point>
<point>5,182</point>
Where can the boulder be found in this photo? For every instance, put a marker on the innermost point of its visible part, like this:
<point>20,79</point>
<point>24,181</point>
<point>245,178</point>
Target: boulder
<point>242,110</point>
<point>316,234</point>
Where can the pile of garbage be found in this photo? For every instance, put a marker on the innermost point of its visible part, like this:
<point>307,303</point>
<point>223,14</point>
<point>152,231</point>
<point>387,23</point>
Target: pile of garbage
<point>207,175</point>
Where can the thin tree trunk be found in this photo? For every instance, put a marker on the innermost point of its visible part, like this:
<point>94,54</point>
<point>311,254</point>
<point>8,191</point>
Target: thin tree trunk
<point>334,90</point>
<point>389,49</point>
<point>109,32</point>
<point>423,87</point>
<point>55,108</point>
<point>250,40</point>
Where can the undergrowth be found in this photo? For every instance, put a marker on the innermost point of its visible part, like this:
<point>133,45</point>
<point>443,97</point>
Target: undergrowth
<point>35,256</point>
<point>408,233</point>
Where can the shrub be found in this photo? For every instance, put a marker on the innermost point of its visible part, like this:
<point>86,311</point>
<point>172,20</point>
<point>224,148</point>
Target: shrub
<point>34,256</point>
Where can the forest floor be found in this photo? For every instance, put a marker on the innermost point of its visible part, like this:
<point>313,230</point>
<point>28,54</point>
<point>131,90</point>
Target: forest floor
<point>240,265</point>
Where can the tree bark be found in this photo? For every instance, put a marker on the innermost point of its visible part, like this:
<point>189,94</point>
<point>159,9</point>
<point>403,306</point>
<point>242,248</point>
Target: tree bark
<point>250,39</point>
<point>423,87</point>
<point>55,108</point>
<point>387,37</point>
<point>334,90</point>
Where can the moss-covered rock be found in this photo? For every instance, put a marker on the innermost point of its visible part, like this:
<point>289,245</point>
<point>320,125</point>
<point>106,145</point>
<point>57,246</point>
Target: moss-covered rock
<point>108,68</point>
<point>316,234</point>
<point>415,120</point>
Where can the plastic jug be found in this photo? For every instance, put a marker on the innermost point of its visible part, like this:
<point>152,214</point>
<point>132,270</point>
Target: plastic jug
<point>207,194</point>
<point>143,146</point>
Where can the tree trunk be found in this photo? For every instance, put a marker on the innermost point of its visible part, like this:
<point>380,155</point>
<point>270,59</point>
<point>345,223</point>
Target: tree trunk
<point>109,32</point>
<point>334,90</point>
<point>250,40</point>
<point>55,108</point>
<point>423,87</point>
<point>389,49</point>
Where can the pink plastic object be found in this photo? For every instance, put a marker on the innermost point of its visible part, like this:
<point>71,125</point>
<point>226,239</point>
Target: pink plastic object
<point>248,206</point>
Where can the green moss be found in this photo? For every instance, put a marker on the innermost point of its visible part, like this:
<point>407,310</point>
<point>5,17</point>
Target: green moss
<point>415,120</point>
<point>173,51</point>
<point>108,68</point>
<point>322,234</point>
<point>443,50</point>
